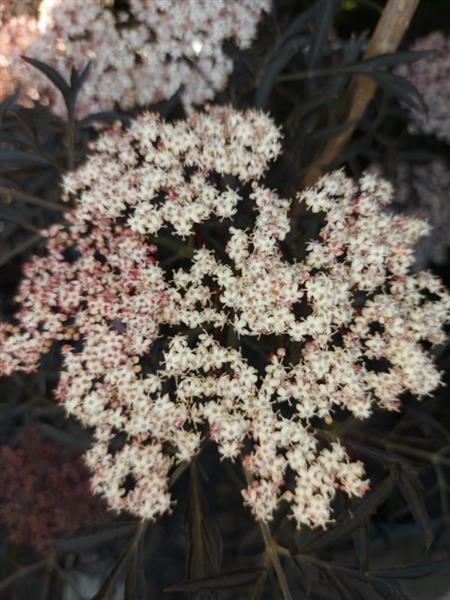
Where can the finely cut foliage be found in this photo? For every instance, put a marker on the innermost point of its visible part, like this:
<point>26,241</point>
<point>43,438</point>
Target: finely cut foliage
<point>352,317</point>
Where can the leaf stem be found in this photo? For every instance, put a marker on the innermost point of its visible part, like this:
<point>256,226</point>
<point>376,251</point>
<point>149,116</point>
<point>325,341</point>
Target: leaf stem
<point>31,241</point>
<point>273,550</point>
<point>30,199</point>
<point>71,143</point>
<point>431,457</point>
<point>22,571</point>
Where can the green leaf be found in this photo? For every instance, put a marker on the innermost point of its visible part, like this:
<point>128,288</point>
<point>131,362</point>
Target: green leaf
<point>411,490</point>
<point>222,581</point>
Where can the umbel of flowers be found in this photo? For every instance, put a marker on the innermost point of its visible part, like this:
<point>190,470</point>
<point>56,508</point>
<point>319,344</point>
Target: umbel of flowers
<point>139,56</point>
<point>99,291</point>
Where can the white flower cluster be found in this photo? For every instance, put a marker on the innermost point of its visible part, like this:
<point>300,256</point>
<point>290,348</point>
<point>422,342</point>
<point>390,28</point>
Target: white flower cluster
<point>352,317</point>
<point>139,56</point>
<point>162,171</point>
<point>431,76</point>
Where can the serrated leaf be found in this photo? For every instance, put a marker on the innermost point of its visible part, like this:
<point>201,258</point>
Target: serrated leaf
<point>420,156</point>
<point>380,456</point>
<point>22,247</point>
<point>204,555</point>
<point>307,574</point>
<point>388,590</point>
<point>20,157</point>
<point>341,586</point>
<point>10,215</point>
<point>392,59</point>
<point>317,101</point>
<point>52,74</point>
<point>413,571</point>
<point>222,581</point>
<point>298,24</point>
<point>109,583</point>
<point>87,541</point>
<point>325,12</point>
<point>295,27</point>
<point>410,487</point>
<point>20,137</point>
<point>169,105</point>
<point>8,102</point>
<point>135,578</point>
<point>353,49</point>
<point>338,592</point>
<point>329,132</point>
<point>359,515</point>
<point>259,587</point>
<point>106,116</point>
<point>361,543</point>
<point>77,80</point>
<point>399,87</point>
<point>280,60</point>
<point>22,572</point>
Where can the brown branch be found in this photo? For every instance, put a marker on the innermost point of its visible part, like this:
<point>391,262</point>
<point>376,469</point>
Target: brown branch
<point>391,27</point>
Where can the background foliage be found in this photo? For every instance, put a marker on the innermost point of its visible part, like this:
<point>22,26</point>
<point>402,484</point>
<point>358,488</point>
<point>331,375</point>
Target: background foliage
<point>298,70</point>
